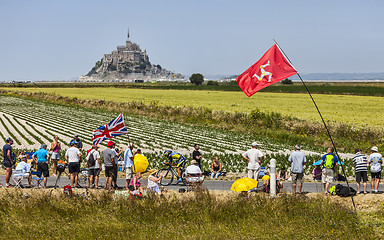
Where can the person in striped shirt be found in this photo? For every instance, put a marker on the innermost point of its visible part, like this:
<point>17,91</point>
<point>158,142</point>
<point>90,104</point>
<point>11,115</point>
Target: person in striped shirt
<point>360,162</point>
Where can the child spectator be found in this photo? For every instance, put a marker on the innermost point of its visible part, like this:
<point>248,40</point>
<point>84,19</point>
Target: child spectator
<point>153,182</point>
<point>316,173</point>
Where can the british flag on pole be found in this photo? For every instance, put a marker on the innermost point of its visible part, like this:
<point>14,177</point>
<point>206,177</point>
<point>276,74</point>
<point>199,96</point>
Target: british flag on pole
<point>114,128</point>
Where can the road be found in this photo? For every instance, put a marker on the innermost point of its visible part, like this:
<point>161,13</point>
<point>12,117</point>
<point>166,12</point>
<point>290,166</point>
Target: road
<point>310,187</point>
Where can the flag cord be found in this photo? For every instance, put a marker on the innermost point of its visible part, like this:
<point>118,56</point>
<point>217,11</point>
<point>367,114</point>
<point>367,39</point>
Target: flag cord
<point>325,125</point>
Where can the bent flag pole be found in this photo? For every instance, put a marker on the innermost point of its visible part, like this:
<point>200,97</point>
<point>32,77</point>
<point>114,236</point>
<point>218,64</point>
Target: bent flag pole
<point>273,67</point>
<point>115,127</point>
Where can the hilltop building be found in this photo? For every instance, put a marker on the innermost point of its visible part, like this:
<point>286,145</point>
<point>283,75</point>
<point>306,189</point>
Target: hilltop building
<point>128,63</point>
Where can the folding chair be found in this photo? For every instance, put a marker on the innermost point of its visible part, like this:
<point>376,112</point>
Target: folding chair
<point>18,176</point>
<point>194,182</point>
<point>37,179</point>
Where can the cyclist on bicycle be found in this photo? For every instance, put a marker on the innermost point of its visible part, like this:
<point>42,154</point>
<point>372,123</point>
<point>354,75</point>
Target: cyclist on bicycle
<point>179,159</point>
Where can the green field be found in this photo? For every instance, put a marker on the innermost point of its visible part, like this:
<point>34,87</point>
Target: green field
<point>356,110</point>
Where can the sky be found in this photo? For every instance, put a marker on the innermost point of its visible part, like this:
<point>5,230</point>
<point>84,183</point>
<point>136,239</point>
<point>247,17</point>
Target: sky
<point>61,40</point>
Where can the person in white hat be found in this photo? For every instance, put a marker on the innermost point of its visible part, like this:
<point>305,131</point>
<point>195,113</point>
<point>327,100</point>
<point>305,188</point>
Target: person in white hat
<point>254,157</point>
<point>375,161</point>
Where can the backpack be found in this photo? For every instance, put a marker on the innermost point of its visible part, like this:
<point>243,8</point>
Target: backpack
<point>329,161</point>
<point>91,159</point>
<point>342,191</point>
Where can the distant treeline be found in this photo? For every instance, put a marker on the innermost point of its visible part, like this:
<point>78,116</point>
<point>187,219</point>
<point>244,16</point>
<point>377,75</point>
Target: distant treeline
<point>338,88</point>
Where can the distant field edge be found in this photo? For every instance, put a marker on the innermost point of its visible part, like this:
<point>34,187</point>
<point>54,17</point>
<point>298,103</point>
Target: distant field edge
<point>338,88</point>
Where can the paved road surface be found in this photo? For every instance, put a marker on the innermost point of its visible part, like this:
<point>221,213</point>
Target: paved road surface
<point>209,184</point>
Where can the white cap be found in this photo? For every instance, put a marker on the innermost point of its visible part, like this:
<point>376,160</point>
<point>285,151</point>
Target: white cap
<point>255,144</point>
<point>298,147</point>
<point>375,149</point>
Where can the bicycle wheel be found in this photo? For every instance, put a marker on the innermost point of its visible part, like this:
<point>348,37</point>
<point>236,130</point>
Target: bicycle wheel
<point>167,176</point>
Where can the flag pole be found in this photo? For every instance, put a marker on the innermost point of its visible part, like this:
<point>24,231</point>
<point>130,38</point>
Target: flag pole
<point>325,125</point>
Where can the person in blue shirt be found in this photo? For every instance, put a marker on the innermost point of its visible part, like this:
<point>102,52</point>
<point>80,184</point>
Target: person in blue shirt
<point>180,161</point>
<point>41,156</point>
<point>329,163</point>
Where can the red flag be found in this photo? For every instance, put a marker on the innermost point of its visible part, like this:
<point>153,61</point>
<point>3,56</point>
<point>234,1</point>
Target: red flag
<point>272,67</point>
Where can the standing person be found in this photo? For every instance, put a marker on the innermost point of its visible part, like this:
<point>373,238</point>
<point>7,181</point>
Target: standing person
<point>55,148</point>
<point>297,160</point>
<point>109,155</point>
<point>254,157</point>
<point>94,166</point>
<point>78,142</point>
<point>73,158</point>
<point>375,160</point>
<point>196,155</point>
<point>116,168</point>
<point>128,163</point>
<point>216,168</point>
<point>42,157</point>
<point>8,161</point>
<point>329,163</point>
<point>361,170</point>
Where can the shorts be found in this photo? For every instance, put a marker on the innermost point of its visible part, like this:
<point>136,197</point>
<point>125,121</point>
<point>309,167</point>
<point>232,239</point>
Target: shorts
<point>7,164</point>
<point>327,175</point>
<point>74,167</point>
<point>109,171</point>
<point>94,172</point>
<point>180,163</point>
<point>376,175</point>
<point>360,175</point>
<point>55,156</point>
<point>43,168</point>
<point>128,173</point>
<point>297,177</point>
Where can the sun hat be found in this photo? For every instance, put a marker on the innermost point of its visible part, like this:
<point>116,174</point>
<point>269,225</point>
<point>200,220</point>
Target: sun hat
<point>23,156</point>
<point>76,135</point>
<point>255,144</point>
<point>298,146</point>
<point>152,171</point>
<point>194,162</point>
<point>72,143</point>
<point>111,143</point>
<point>375,149</point>
<point>8,139</point>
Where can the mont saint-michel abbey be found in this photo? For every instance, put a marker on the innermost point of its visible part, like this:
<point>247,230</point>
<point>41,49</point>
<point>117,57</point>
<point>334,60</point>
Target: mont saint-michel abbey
<point>128,63</point>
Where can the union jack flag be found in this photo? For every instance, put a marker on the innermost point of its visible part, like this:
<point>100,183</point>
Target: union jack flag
<point>114,128</point>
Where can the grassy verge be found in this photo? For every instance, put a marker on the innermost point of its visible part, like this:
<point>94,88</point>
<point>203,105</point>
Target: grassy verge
<point>339,88</point>
<point>195,216</point>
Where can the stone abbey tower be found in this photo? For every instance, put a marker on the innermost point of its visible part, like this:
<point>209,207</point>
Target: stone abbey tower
<point>128,63</point>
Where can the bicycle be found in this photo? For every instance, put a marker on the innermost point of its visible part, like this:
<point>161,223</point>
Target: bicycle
<point>169,173</point>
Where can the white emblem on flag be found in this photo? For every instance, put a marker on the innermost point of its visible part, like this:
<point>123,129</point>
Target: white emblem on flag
<point>263,73</point>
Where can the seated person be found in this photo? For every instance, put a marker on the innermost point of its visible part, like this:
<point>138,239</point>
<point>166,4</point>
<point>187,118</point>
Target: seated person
<point>316,173</point>
<point>24,166</point>
<point>179,159</point>
<point>135,183</point>
<point>216,168</point>
<point>153,182</point>
<point>283,175</point>
<point>193,173</point>
<point>266,178</point>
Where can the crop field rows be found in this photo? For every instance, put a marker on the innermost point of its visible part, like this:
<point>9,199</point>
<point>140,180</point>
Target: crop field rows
<point>150,135</point>
<point>33,121</point>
